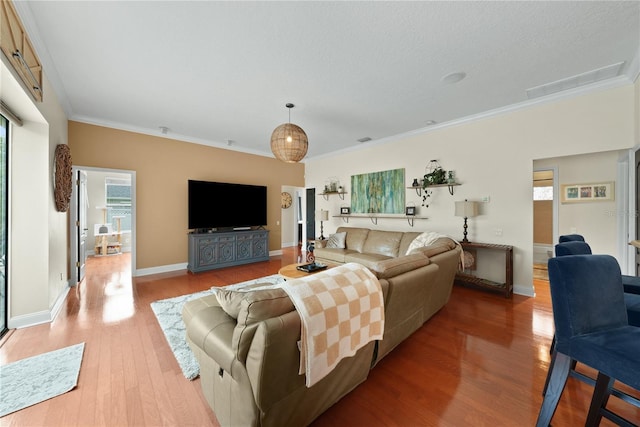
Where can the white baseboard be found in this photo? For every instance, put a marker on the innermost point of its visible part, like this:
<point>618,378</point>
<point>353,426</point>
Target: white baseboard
<point>40,317</point>
<point>526,291</point>
<point>160,269</point>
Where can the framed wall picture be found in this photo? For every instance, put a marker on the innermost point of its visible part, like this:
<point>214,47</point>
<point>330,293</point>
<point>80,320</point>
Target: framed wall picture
<point>345,211</point>
<point>597,192</point>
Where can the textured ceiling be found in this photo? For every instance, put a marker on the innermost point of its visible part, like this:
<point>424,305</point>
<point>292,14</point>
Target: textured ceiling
<point>217,71</point>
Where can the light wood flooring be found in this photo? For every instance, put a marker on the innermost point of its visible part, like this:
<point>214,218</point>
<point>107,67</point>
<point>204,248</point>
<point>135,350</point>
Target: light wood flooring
<point>481,361</point>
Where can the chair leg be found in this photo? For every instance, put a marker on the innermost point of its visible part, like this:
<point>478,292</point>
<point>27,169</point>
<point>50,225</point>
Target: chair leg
<point>546,381</point>
<point>572,367</point>
<point>601,394</point>
<point>559,372</point>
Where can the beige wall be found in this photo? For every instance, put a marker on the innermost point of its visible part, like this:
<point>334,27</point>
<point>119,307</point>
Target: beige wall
<point>492,157</point>
<point>162,167</point>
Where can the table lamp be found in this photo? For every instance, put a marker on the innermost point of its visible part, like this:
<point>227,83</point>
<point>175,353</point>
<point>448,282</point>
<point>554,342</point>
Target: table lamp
<point>322,215</point>
<point>466,209</point>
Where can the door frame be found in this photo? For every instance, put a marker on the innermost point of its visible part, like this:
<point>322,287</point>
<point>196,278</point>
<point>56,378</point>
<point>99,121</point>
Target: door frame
<point>73,217</point>
<point>627,205</point>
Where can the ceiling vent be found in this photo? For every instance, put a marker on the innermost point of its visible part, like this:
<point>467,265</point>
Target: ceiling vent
<point>604,73</point>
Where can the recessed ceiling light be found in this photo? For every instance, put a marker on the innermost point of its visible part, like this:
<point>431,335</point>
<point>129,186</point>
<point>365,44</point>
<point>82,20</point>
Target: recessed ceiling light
<point>164,130</point>
<point>454,77</point>
<point>430,122</point>
<point>365,139</point>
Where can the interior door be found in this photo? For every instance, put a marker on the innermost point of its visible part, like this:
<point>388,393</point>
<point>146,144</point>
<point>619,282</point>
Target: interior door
<point>311,216</point>
<point>81,224</point>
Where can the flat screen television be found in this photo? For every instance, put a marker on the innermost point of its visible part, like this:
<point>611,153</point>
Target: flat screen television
<point>226,205</point>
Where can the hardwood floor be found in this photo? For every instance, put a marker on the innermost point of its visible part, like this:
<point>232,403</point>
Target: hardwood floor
<point>482,360</point>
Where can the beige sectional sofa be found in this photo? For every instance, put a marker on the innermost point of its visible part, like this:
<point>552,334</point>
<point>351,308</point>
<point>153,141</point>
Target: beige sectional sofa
<point>249,357</point>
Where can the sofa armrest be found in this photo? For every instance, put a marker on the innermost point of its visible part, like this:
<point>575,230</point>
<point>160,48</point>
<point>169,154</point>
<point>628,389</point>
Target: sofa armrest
<point>273,360</point>
<point>441,245</point>
<point>392,267</point>
<point>211,329</point>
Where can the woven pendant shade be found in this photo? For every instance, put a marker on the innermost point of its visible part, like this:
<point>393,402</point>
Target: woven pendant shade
<point>289,143</point>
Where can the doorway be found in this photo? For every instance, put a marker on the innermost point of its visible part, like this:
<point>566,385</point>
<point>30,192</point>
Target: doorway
<point>544,219</point>
<point>102,217</point>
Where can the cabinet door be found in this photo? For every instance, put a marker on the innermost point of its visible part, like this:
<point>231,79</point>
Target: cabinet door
<point>244,247</point>
<point>226,249</point>
<point>260,246</point>
<point>207,252</point>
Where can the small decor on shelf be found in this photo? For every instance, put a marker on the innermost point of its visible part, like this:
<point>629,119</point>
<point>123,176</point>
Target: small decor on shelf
<point>345,210</point>
<point>410,210</point>
<point>451,177</point>
<point>415,183</point>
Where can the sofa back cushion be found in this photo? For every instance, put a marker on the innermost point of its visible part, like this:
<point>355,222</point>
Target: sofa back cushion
<point>383,243</point>
<point>407,238</point>
<point>355,237</point>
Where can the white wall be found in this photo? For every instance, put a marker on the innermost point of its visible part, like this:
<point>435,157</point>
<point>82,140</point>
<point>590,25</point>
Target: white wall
<point>38,247</point>
<point>289,217</point>
<point>492,157</point>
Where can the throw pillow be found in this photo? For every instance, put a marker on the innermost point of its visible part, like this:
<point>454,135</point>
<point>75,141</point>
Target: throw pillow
<point>425,239</point>
<point>337,240</point>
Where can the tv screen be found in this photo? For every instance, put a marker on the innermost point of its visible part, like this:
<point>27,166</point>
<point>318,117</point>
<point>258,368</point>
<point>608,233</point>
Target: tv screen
<point>226,205</point>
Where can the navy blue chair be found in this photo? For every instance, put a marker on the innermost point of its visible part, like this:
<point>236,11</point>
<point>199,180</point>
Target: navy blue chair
<point>631,300</point>
<point>571,238</point>
<point>573,248</point>
<point>591,328</point>
<point>631,283</point>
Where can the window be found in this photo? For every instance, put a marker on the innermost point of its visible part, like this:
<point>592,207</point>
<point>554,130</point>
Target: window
<point>543,193</point>
<point>118,202</point>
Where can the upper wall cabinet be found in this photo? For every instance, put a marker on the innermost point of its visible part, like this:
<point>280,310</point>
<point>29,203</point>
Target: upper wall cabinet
<point>16,46</point>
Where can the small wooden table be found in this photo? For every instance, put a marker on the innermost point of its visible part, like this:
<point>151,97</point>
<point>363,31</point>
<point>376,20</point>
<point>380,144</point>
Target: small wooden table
<point>463,278</point>
<point>291,272</point>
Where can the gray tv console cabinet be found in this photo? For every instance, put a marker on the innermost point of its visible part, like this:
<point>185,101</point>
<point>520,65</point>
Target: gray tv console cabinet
<point>208,251</point>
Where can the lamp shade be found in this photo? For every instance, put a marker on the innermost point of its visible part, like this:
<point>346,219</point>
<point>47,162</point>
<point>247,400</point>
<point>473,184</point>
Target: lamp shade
<point>289,143</point>
<point>322,215</point>
<point>466,209</point>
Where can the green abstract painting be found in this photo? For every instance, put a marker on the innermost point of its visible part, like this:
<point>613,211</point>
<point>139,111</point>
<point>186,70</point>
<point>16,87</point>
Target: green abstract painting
<point>378,192</point>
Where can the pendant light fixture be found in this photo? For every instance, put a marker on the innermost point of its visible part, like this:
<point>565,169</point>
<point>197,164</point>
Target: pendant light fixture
<point>289,143</point>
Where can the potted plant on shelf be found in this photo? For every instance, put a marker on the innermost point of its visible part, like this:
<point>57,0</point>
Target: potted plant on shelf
<point>435,176</point>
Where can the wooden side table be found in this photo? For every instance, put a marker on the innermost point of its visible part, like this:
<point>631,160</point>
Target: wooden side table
<point>463,278</point>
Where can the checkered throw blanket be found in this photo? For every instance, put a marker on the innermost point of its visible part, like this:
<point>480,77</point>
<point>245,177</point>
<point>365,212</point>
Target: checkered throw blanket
<point>341,310</point>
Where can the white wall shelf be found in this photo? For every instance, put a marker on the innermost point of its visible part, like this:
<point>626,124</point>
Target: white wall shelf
<point>374,218</point>
<point>450,185</point>
<point>329,193</point>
